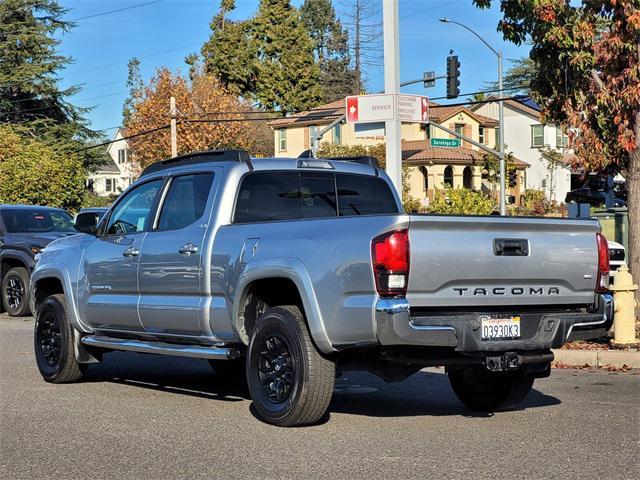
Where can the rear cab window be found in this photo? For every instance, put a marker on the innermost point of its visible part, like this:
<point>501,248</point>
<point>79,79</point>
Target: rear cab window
<point>273,196</point>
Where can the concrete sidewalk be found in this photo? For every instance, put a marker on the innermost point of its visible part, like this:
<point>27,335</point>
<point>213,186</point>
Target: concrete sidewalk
<point>598,358</point>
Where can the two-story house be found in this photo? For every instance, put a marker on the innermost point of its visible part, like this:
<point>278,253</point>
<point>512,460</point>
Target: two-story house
<point>430,167</point>
<point>525,135</point>
<point>118,173</point>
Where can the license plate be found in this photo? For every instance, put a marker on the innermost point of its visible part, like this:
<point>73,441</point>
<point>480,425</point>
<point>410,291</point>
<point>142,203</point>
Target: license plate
<point>500,327</point>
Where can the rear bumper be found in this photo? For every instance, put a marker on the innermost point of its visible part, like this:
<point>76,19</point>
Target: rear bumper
<point>461,331</point>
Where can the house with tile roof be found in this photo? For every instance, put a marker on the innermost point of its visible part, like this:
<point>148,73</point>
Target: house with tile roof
<point>430,168</point>
<point>525,134</point>
<point>117,173</point>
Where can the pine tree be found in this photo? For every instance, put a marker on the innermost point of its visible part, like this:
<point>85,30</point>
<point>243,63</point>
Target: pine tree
<point>29,61</point>
<point>228,55</point>
<point>287,75</point>
<point>331,49</point>
<point>30,97</point>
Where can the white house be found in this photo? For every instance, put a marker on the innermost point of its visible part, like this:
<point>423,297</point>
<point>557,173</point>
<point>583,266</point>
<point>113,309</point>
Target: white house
<point>118,173</point>
<point>525,135</point>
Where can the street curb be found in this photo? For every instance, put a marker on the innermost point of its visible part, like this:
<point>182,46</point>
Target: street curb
<point>597,358</point>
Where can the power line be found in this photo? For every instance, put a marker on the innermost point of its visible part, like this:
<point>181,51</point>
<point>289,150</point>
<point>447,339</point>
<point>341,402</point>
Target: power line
<point>146,132</point>
<point>109,12</point>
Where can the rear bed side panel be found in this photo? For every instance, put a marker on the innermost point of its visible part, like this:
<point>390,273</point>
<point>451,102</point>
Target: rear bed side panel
<point>453,263</point>
<point>335,254</point>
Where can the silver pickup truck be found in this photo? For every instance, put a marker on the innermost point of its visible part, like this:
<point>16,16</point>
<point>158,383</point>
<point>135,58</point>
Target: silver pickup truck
<point>286,272</point>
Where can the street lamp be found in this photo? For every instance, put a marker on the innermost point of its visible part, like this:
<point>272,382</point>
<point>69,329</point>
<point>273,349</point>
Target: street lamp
<point>503,209</point>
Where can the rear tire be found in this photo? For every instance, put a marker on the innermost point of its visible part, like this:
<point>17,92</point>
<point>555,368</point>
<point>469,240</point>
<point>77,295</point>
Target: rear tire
<point>290,382</point>
<point>53,342</point>
<point>15,292</point>
<point>484,391</point>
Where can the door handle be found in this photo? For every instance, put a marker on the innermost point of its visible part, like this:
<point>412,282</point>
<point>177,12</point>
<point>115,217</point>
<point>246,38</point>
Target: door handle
<point>188,249</point>
<point>131,252</point>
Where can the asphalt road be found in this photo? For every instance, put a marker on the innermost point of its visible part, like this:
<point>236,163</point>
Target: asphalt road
<point>143,416</point>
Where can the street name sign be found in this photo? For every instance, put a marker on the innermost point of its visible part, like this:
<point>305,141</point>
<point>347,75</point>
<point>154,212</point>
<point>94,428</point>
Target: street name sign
<point>445,142</point>
<point>383,107</point>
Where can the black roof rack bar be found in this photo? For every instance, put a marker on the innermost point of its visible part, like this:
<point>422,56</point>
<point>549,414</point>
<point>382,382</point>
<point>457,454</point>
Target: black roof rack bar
<point>363,160</point>
<point>199,157</point>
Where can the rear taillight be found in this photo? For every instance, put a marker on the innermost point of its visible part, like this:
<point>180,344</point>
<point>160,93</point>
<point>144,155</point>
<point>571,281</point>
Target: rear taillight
<point>390,255</point>
<point>602,279</point>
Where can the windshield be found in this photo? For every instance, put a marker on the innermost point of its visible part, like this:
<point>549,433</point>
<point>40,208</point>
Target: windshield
<point>33,220</point>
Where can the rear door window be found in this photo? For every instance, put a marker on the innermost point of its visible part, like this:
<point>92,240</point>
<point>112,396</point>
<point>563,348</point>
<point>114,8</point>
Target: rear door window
<point>185,201</point>
<point>362,195</point>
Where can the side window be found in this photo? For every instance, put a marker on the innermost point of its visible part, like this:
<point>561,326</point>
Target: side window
<point>362,195</point>
<point>132,212</point>
<point>268,196</point>
<point>185,201</point>
<point>318,194</point>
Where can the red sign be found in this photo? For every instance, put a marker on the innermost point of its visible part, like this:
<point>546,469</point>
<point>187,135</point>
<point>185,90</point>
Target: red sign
<point>352,109</point>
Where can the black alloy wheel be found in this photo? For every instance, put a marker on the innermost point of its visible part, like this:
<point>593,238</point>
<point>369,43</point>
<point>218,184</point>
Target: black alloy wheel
<point>276,367</point>
<point>15,292</point>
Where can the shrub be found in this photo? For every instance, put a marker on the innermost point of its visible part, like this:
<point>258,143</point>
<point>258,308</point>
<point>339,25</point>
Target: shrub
<point>461,201</point>
<point>35,172</point>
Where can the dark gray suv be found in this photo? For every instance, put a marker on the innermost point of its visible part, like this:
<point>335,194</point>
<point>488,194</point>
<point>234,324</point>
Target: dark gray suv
<point>24,232</point>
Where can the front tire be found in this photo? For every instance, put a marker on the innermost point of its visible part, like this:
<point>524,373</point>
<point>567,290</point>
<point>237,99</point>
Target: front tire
<point>53,342</point>
<point>290,382</point>
<point>484,391</point>
<point>15,292</point>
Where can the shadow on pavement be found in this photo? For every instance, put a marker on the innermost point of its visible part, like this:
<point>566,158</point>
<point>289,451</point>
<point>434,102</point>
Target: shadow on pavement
<point>422,394</point>
<point>184,376</point>
<point>356,393</point>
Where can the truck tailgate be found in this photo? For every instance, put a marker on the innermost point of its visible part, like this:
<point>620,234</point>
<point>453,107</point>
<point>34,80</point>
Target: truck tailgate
<point>460,261</point>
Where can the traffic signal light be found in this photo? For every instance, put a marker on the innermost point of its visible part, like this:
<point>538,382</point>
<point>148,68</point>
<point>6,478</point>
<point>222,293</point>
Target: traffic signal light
<point>453,76</point>
<point>513,178</point>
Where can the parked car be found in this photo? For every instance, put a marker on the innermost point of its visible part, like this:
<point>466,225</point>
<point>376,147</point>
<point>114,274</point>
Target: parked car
<point>616,255</point>
<point>24,232</point>
<point>593,198</point>
<point>287,271</point>
<point>87,219</point>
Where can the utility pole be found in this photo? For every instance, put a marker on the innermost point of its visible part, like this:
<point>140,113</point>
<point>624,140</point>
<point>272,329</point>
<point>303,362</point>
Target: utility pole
<point>174,132</point>
<point>393,128</point>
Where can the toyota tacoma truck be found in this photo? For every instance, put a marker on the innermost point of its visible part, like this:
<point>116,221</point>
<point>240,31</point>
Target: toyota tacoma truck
<point>286,272</point>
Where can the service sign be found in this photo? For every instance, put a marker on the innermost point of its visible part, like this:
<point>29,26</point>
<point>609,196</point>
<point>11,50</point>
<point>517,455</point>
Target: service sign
<point>370,108</point>
<point>382,107</point>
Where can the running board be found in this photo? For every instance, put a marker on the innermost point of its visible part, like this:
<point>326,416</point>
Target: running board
<point>161,348</point>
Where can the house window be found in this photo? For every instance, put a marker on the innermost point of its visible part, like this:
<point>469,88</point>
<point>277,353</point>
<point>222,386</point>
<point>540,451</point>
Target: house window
<point>122,155</point>
<point>460,128</point>
<point>282,140</point>
<point>448,176</point>
<point>537,136</point>
<point>109,185</point>
<point>481,135</point>
<point>425,174</point>
<point>467,178</point>
<point>337,134</point>
<point>562,139</point>
<point>497,136</point>
<point>313,131</point>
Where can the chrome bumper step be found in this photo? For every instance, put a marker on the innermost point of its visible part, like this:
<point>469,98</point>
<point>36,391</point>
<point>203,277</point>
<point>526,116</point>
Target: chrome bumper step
<point>161,348</point>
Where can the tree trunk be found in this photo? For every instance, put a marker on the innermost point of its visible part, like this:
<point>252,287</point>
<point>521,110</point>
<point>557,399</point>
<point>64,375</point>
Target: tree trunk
<point>633,188</point>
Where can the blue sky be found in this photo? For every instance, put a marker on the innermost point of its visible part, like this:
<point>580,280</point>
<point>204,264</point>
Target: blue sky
<point>163,33</point>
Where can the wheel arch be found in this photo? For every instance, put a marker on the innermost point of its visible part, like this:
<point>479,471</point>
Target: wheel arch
<point>269,281</point>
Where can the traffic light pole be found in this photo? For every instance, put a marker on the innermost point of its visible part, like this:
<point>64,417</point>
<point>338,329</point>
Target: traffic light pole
<point>503,207</point>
